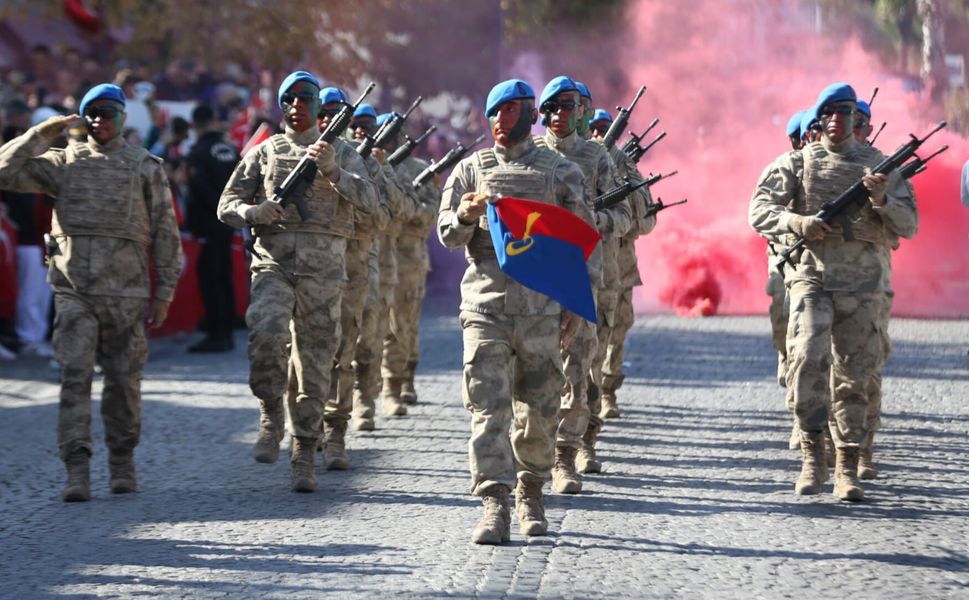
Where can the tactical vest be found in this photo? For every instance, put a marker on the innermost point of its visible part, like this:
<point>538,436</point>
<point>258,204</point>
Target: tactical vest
<point>331,213</point>
<point>533,179</point>
<point>586,155</point>
<point>102,195</point>
<point>826,175</point>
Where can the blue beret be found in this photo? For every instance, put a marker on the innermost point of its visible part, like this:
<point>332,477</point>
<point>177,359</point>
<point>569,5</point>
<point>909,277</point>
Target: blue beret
<point>365,110</point>
<point>291,80</point>
<point>807,119</point>
<point>382,118</point>
<point>559,84</point>
<point>512,89</point>
<point>104,91</point>
<point>583,90</point>
<point>329,95</point>
<point>864,107</point>
<point>601,114</point>
<point>836,92</point>
<point>794,124</point>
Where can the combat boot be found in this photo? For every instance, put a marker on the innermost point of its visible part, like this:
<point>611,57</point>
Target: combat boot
<point>363,399</point>
<point>78,486</point>
<point>794,443</point>
<point>301,464</point>
<point>585,457</point>
<point>530,506</point>
<point>564,478</point>
<point>121,467</point>
<point>390,395</point>
<point>408,395</point>
<point>272,421</point>
<point>846,484</point>
<point>335,456</point>
<point>813,469</point>
<point>609,409</point>
<point>866,466</point>
<point>495,524</point>
<point>828,447</point>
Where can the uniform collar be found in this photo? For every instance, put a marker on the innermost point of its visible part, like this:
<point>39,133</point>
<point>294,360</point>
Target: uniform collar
<point>562,144</point>
<point>843,147</point>
<point>517,151</point>
<point>306,138</point>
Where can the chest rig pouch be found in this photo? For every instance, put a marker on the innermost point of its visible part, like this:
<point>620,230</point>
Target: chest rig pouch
<point>102,195</point>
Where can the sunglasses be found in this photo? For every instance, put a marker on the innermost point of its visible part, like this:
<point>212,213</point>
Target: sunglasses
<point>830,111</point>
<point>862,124</point>
<point>552,107</point>
<point>600,128</point>
<point>103,112</point>
<point>328,112</point>
<point>290,99</point>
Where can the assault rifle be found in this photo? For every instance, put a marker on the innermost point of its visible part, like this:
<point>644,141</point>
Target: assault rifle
<point>634,139</point>
<point>405,149</point>
<point>450,159</point>
<point>854,197</point>
<point>657,206</point>
<point>293,189</point>
<point>388,131</point>
<point>871,142</point>
<point>622,119</point>
<point>619,193</point>
<point>636,151</point>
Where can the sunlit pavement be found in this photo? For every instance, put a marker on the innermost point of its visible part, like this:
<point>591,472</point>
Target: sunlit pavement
<point>696,497</point>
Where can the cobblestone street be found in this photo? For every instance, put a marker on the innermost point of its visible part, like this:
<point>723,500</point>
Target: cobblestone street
<point>696,498</point>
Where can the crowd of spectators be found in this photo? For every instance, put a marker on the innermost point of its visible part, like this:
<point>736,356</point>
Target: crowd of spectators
<point>160,103</point>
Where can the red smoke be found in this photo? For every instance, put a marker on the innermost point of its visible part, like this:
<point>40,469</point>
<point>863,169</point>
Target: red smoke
<point>724,77</point>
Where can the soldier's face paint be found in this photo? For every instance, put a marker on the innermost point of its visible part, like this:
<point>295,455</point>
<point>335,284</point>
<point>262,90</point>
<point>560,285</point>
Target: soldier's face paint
<point>513,122</point>
<point>585,116</point>
<point>837,119</point>
<point>326,114</point>
<point>301,104</point>
<point>105,120</point>
<point>562,113</point>
<point>361,127</point>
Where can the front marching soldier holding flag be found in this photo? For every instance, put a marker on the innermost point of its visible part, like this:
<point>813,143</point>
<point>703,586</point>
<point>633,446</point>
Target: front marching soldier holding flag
<point>512,334</point>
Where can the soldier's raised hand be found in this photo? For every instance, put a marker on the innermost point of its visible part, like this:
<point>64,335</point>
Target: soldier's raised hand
<point>324,156</point>
<point>379,154</point>
<point>54,126</point>
<point>265,213</point>
<point>472,206</point>
<point>877,184</point>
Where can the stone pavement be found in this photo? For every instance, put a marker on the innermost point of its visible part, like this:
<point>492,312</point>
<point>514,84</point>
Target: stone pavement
<point>696,499</point>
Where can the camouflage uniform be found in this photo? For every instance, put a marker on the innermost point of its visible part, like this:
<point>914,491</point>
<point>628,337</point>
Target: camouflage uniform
<point>401,346</point>
<point>299,276</point>
<point>596,166</point>
<point>512,362</point>
<point>366,229</point>
<point>113,205</point>
<point>376,314</point>
<point>609,361</point>
<point>838,287</point>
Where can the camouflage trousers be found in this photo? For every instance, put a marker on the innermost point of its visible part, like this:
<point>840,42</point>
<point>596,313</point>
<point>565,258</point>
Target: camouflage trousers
<point>373,330</point>
<point>608,304</point>
<point>402,345</point>
<point>296,319</point>
<point>779,312</point>
<point>512,379</point>
<point>339,401</point>
<point>612,374</point>
<point>834,346</point>
<point>577,361</point>
<point>109,330</point>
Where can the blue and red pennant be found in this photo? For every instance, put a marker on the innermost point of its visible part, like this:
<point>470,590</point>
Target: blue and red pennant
<point>545,247</point>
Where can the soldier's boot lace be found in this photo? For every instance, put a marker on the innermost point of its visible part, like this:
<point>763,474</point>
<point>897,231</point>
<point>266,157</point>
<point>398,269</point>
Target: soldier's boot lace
<point>565,480</point>
<point>495,524</point>
<point>390,395</point>
<point>363,400</point>
<point>301,464</point>
<point>121,467</point>
<point>272,421</point>
<point>530,506</point>
<point>78,486</point>
<point>335,457</point>
<point>585,458</point>
<point>609,409</point>
<point>846,484</point>
<point>812,464</point>
<point>866,464</point>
